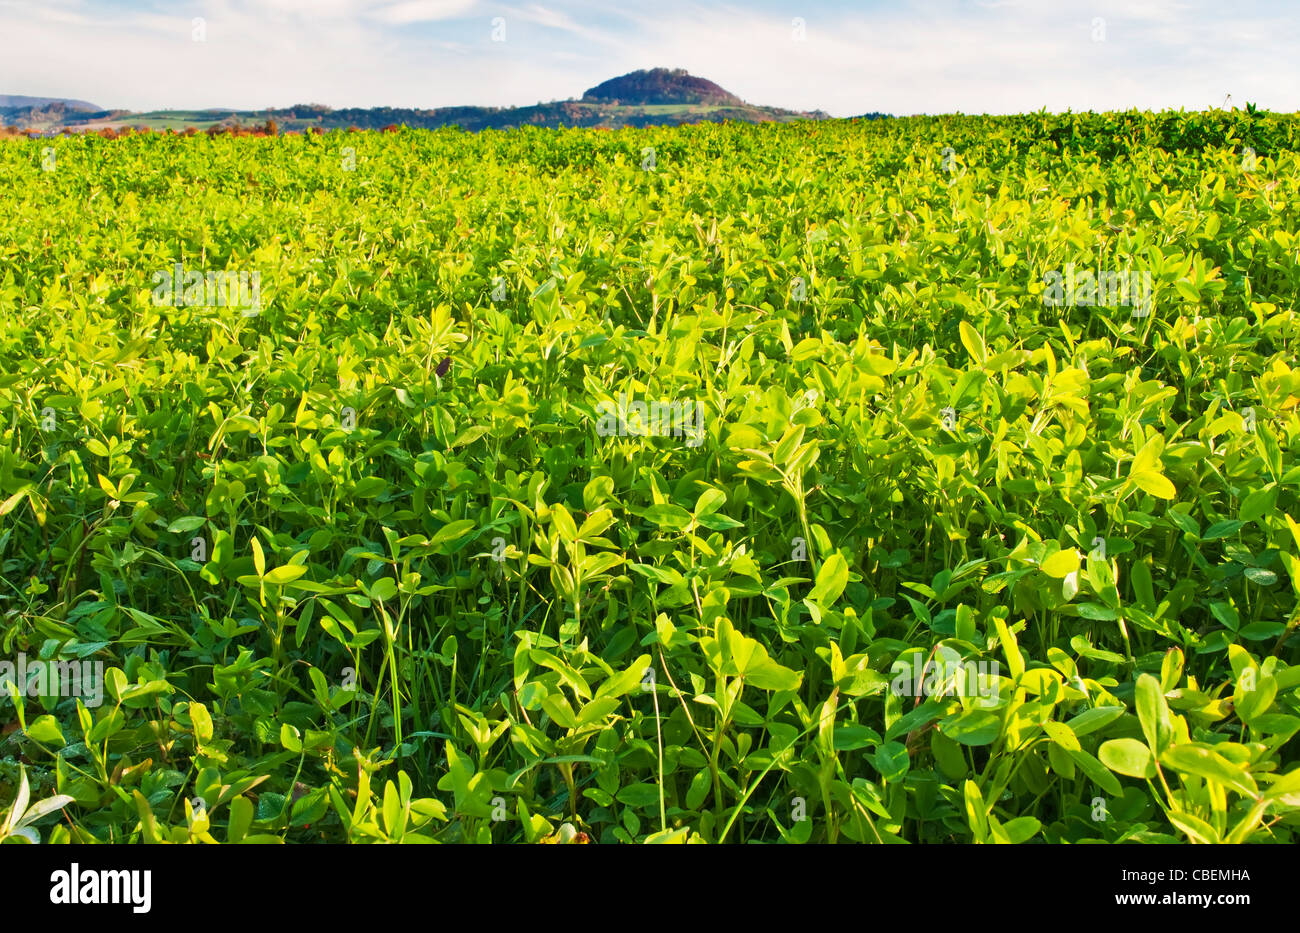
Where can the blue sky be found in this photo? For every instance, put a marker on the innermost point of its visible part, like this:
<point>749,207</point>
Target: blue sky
<point>904,56</point>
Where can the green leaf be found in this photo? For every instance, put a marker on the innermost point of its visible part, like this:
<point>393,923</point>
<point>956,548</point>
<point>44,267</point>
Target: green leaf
<point>973,342</point>
<point>768,675</point>
<point>259,559</point>
<point>394,818</point>
<point>1153,713</point>
<point>976,812</point>
<point>1260,576</point>
<point>1195,827</point>
<point>290,738</point>
<point>717,522</point>
<point>892,761</point>
<point>1129,757</point>
<point>597,710</point>
<point>240,819</point>
<point>383,589</point>
<point>1021,829</point>
<point>973,727</point>
<point>672,517</point>
<point>789,441</point>
<point>1155,483</point>
<point>851,737</point>
<point>628,680</point>
<point>452,531</point>
<point>1090,720</point>
<point>1254,703</point>
<point>699,788</point>
<point>1096,771</point>
<point>1206,763</point>
<point>1286,785</point>
<point>1221,530</point>
<point>107,486</point>
<point>285,574</point>
<point>831,580</point>
<point>1061,564</point>
<point>1148,457</point>
<point>370,486</point>
<point>709,501</point>
<point>45,729</point>
<point>1257,504</point>
<point>1062,735</point>
<point>201,721</point>
<point>557,706</point>
<point>564,523</point>
<point>640,796</point>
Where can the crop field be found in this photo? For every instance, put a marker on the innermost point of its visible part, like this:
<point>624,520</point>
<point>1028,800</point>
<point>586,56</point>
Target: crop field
<point>918,480</point>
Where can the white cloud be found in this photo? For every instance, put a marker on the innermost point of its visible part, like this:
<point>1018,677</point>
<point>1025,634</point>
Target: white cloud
<point>914,56</point>
<point>554,19</point>
<point>423,11</point>
<point>937,57</point>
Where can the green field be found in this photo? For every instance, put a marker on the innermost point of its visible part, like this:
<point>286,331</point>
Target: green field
<point>963,508</point>
<point>175,120</point>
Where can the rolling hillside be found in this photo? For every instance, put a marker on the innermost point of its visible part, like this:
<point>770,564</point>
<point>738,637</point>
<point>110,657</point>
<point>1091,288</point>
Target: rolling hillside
<point>658,97</point>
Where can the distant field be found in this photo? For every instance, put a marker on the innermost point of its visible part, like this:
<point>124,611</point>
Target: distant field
<point>565,113</point>
<point>173,119</point>
<point>179,119</point>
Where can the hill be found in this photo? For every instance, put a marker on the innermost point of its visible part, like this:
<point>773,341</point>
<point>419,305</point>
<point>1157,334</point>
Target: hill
<point>661,86</point>
<point>8,101</point>
<point>657,97</point>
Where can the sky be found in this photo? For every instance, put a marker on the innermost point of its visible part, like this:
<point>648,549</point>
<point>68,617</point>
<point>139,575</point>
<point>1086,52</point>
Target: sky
<point>845,58</point>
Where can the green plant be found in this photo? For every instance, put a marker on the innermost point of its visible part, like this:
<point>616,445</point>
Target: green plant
<point>22,813</point>
<point>949,560</point>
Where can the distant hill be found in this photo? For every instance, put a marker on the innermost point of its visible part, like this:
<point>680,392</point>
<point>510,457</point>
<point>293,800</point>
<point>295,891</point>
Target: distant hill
<point>661,86</point>
<point>657,97</point>
<point>53,116</point>
<point>15,100</point>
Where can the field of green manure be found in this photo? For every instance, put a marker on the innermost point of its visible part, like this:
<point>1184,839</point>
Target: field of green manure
<point>919,480</point>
